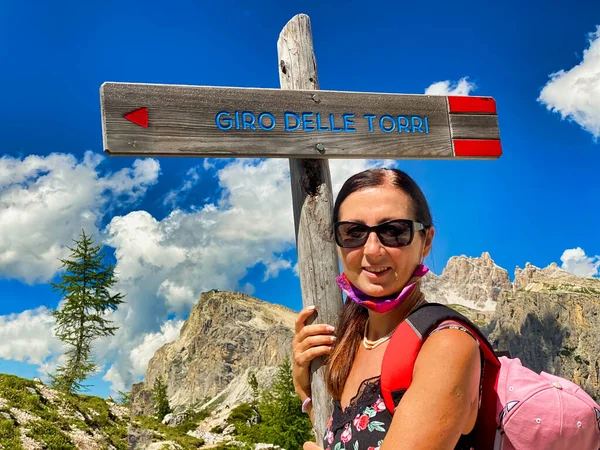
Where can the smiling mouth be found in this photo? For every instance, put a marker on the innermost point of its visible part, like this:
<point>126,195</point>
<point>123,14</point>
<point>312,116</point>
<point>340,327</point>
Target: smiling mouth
<point>375,269</point>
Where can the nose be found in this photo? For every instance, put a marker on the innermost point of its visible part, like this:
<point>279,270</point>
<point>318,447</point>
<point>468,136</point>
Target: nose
<point>373,245</point>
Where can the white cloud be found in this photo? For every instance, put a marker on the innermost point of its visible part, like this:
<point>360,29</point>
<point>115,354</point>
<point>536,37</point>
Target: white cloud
<point>248,289</point>
<point>142,353</point>
<point>575,261</point>
<point>575,93</point>
<point>116,381</point>
<point>207,164</point>
<point>463,87</point>
<point>45,202</point>
<point>174,197</point>
<point>176,295</point>
<point>130,185</point>
<point>28,337</point>
<point>274,267</point>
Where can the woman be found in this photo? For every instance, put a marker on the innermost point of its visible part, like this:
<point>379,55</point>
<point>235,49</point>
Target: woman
<point>382,268</point>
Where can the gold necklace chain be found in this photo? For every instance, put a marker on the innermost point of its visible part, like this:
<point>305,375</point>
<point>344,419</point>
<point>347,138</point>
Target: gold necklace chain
<point>369,345</point>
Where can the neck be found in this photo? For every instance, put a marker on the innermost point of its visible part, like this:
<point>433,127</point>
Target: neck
<point>382,324</point>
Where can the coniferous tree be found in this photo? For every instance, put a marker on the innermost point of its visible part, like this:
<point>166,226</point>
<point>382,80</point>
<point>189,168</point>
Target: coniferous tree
<point>86,290</point>
<point>281,410</point>
<point>282,421</point>
<point>124,398</point>
<point>253,383</point>
<point>160,398</point>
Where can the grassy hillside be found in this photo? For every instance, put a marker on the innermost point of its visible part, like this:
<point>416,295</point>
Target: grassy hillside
<point>35,416</point>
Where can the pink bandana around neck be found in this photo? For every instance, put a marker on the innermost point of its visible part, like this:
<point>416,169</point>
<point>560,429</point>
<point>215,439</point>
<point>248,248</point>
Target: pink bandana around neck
<point>380,304</point>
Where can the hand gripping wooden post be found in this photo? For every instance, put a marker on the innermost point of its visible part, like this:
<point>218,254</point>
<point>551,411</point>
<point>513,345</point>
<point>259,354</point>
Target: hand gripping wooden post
<point>313,205</point>
<point>308,126</point>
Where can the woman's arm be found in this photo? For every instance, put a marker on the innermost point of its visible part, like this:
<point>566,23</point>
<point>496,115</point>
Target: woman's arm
<point>443,398</point>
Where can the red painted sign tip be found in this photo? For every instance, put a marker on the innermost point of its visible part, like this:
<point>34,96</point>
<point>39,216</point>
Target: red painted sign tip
<point>467,104</point>
<point>477,148</point>
<point>138,116</point>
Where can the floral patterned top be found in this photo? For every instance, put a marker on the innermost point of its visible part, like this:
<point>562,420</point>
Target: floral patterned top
<point>365,421</point>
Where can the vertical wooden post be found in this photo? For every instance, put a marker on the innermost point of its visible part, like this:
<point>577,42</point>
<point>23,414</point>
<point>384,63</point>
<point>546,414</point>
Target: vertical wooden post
<point>313,204</point>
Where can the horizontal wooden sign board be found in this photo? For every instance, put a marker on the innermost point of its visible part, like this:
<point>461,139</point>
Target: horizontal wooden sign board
<point>223,122</point>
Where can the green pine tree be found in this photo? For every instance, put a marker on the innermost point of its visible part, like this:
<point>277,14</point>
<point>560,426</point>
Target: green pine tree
<point>86,289</point>
<point>282,421</point>
<point>124,398</point>
<point>253,383</point>
<point>160,398</point>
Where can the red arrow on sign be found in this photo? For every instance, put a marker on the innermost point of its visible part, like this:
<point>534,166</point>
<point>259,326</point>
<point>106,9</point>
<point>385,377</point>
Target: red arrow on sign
<point>139,117</point>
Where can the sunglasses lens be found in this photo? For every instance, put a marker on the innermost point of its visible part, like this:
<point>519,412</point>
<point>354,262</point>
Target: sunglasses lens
<point>351,235</point>
<point>395,234</point>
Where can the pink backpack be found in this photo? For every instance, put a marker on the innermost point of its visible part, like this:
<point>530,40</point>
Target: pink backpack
<point>520,409</point>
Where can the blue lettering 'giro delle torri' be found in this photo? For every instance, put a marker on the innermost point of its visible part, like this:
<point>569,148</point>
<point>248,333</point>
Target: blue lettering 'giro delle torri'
<point>310,121</point>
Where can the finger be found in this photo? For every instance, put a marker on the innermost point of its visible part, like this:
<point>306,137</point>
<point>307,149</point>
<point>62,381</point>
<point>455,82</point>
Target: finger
<point>303,359</point>
<point>302,316</point>
<point>311,446</point>
<point>302,348</point>
<point>315,341</point>
<point>313,330</point>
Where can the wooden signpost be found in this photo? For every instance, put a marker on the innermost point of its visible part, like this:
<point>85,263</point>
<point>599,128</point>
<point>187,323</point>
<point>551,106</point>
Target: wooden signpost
<point>308,126</point>
<point>168,120</point>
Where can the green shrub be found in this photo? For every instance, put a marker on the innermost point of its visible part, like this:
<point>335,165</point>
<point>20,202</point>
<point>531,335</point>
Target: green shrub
<point>234,447</point>
<point>51,436</point>
<point>9,435</point>
<point>168,433</point>
<point>14,390</point>
<point>241,414</point>
<point>217,429</point>
<point>192,420</point>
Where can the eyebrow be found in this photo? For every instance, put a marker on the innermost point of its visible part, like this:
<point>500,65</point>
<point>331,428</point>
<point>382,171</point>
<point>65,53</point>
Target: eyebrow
<point>362,222</point>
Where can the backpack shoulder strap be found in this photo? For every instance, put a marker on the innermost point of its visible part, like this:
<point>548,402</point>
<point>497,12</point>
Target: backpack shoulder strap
<point>402,350</point>
<point>404,346</point>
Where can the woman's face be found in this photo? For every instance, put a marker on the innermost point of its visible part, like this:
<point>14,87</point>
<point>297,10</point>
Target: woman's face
<point>373,206</point>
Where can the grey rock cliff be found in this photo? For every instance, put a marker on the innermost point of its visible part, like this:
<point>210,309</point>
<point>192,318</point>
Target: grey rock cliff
<point>475,283</point>
<point>225,335</point>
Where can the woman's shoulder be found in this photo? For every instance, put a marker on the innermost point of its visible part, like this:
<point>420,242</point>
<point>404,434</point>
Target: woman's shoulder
<point>448,348</point>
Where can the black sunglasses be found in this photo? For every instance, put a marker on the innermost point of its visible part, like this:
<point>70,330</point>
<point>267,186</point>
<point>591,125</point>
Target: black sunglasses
<point>393,233</point>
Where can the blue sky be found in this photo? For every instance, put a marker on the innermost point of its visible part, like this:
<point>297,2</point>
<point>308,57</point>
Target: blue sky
<point>165,222</point>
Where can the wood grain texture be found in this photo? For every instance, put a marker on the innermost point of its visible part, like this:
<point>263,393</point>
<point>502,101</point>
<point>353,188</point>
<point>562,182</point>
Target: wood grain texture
<point>313,207</point>
<point>182,122</point>
<point>474,126</point>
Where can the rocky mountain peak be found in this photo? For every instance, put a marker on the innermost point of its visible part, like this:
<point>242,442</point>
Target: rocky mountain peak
<point>553,278</point>
<point>468,281</point>
<point>225,334</point>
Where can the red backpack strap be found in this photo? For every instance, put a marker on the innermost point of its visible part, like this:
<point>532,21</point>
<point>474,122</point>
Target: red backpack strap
<point>398,363</point>
<point>401,354</point>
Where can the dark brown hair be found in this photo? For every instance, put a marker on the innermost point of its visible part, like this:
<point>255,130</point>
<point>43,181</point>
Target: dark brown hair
<point>352,321</point>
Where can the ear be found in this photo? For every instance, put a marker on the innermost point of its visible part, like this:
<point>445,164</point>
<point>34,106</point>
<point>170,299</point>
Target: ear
<point>430,232</point>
